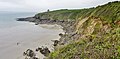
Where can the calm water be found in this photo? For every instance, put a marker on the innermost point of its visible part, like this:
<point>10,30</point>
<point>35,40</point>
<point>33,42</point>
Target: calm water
<point>9,19</point>
<point>27,34</point>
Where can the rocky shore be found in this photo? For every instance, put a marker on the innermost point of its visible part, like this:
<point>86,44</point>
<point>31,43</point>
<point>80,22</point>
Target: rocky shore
<point>67,27</point>
<point>94,33</point>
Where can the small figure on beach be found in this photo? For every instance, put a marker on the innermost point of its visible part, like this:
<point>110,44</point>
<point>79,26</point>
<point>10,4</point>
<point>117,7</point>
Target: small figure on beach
<point>18,43</point>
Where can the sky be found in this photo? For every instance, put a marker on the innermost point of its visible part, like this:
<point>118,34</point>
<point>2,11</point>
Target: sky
<point>43,5</point>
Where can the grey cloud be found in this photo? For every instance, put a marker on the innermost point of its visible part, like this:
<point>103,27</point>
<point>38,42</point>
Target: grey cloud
<point>40,5</point>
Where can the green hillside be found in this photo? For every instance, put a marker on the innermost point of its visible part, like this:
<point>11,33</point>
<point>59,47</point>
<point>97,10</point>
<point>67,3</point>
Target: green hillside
<point>109,12</point>
<point>99,29</point>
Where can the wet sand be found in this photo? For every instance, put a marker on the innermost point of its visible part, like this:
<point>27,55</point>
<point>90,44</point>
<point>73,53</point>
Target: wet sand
<point>28,36</point>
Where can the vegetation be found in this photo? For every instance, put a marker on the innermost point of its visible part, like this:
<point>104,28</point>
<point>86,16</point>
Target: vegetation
<point>94,47</point>
<point>99,29</point>
<point>109,12</point>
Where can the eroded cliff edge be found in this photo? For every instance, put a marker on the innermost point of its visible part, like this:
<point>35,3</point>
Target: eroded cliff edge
<point>92,33</point>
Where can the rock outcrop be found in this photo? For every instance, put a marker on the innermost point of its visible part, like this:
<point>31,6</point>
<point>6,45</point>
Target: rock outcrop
<point>43,50</point>
<point>91,33</point>
<point>29,54</point>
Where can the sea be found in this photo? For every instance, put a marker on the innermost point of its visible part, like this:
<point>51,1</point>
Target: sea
<point>18,36</point>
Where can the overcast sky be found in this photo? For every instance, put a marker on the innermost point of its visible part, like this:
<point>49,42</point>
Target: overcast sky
<point>43,5</point>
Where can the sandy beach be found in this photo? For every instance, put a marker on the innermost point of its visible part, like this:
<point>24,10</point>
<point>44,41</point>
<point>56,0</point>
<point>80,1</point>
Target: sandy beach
<point>29,36</point>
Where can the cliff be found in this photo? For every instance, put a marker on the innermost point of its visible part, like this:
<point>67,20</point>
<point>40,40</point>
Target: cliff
<point>97,33</point>
<point>92,33</point>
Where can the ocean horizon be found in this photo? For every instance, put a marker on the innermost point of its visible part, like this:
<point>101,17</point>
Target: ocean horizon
<point>9,19</point>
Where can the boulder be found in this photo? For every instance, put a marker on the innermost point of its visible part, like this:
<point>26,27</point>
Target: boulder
<point>43,50</point>
<point>55,42</point>
<point>61,34</point>
<point>29,54</point>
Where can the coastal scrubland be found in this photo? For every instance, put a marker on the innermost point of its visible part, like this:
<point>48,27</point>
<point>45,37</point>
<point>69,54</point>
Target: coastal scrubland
<point>96,32</point>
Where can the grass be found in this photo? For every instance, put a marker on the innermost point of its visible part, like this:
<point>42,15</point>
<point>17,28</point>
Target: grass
<point>102,43</point>
<point>94,47</point>
<point>109,12</point>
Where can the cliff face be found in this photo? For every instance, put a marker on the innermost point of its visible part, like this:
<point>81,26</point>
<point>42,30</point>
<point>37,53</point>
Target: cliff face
<point>95,33</point>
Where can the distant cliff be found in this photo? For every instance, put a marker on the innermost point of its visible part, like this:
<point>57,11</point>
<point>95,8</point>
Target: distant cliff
<point>108,12</point>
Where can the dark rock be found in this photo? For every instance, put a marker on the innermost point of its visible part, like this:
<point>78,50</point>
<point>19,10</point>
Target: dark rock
<point>21,19</point>
<point>35,58</point>
<point>68,27</point>
<point>36,23</point>
<point>29,54</point>
<point>43,50</point>
<point>61,34</point>
<point>55,42</point>
<point>30,19</point>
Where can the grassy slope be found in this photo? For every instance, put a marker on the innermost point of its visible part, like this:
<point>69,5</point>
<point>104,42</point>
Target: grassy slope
<point>64,14</point>
<point>100,32</point>
<point>110,12</point>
